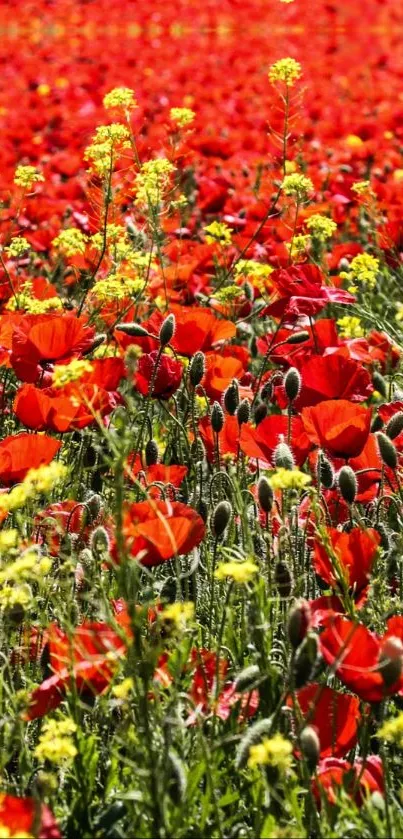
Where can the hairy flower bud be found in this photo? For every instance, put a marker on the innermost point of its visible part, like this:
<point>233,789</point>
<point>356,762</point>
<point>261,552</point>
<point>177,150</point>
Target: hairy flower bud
<point>243,412</point>
<point>395,425</point>
<point>151,453</point>
<point>135,330</point>
<point>231,398</point>
<point>245,681</point>
<point>325,471</point>
<point>283,578</point>
<point>220,518</point>
<point>283,457</point>
<point>305,661</point>
<point>260,413</point>
<point>376,423</point>
<point>292,383</point>
<point>266,392</point>
<point>387,450</point>
<point>299,620</point>
<point>298,337</point>
<point>390,661</point>
<point>347,483</point>
<point>217,418</point>
<point>167,330</point>
<point>265,494</point>
<point>310,746</point>
<point>379,383</point>
<point>197,368</point>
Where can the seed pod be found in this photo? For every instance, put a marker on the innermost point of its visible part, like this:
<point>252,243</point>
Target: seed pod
<point>99,542</point>
<point>217,418</point>
<point>197,368</point>
<point>98,340</point>
<point>299,621</point>
<point>379,383</point>
<point>260,413</point>
<point>305,661</point>
<point>325,471</point>
<point>167,330</point>
<point>265,494</point>
<point>283,578</point>
<point>387,450</point>
<point>310,746</point>
<point>151,453</point>
<point>266,392</point>
<point>292,383</point>
<point>94,504</point>
<point>255,733</point>
<point>220,518</point>
<point>298,337</point>
<point>243,412</point>
<point>135,330</point>
<point>231,398</point>
<point>390,661</point>
<point>395,425</point>
<point>347,483</point>
<point>283,457</point>
<point>246,680</point>
<point>376,424</point>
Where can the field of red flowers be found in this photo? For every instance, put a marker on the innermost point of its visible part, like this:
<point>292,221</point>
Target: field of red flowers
<point>201,408</point>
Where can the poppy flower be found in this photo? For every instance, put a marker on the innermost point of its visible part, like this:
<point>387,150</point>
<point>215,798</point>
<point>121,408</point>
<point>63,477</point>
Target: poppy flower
<point>329,377</point>
<point>220,372</point>
<point>299,291</point>
<point>228,438</point>
<point>203,690</point>
<point>261,442</point>
<point>74,406</point>
<point>42,339</point>
<point>335,716</point>
<point>157,473</point>
<point>26,817</point>
<point>357,652</point>
<point>22,452</point>
<point>359,779</point>
<point>167,379</point>
<point>156,531</point>
<point>195,329</point>
<point>338,426</point>
<point>355,552</point>
<point>90,657</point>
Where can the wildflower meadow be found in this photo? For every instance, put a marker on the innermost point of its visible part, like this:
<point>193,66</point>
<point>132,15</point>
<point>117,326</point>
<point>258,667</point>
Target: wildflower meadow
<point>201,414</point>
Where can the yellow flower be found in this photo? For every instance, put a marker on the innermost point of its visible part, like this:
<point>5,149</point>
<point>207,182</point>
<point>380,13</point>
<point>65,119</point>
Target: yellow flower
<point>27,176</point>
<point>297,185</point>
<point>239,572</point>
<point>363,269</point>
<point>274,751</point>
<point>182,116</point>
<point>153,182</point>
<point>399,313</point>
<point>107,141</point>
<point>36,482</point>
<point>218,231</point>
<point>350,327</point>
<point>117,287</point>
<point>70,241</point>
<point>392,730</point>
<point>120,97</point>
<point>285,70</point>
<point>289,479</point>
<point>17,247</point>
<point>55,743</point>
<point>178,613</point>
<point>321,227</point>
<point>63,374</point>
<point>123,689</point>
<point>299,245</point>
<point>362,188</point>
<point>353,141</point>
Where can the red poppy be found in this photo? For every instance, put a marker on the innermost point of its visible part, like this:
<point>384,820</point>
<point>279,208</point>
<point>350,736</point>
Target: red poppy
<point>336,717</point>
<point>357,652</point>
<point>338,426</point>
<point>43,339</point>
<point>74,406</point>
<point>329,377</point>
<point>90,657</point>
<point>359,779</point>
<point>355,552</point>
<point>167,379</point>
<point>228,438</point>
<point>157,473</point>
<point>156,531</point>
<point>26,817</point>
<point>196,329</point>
<point>261,442</point>
<point>300,292</point>
<point>220,371</point>
<point>22,452</point>
<point>209,697</point>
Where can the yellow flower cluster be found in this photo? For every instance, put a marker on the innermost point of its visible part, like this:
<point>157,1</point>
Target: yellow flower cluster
<point>275,751</point>
<point>120,97</point>
<point>321,227</point>
<point>70,241</point>
<point>299,245</point>
<point>228,294</point>
<point>218,231</point>
<point>108,140</point>
<point>363,269</point>
<point>178,614</point>
<point>153,182</point>
<point>362,188</point>
<point>289,479</point>
<point>17,247</point>
<point>297,185</point>
<point>239,572</point>
<point>56,743</point>
<point>350,327</point>
<point>27,176</point>
<point>25,301</point>
<point>117,287</point>
<point>15,595</point>
<point>63,374</point>
<point>114,233</point>
<point>182,116</point>
<point>123,689</point>
<point>251,268</point>
<point>37,481</point>
<point>392,730</point>
<point>285,70</point>
<point>29,566</point>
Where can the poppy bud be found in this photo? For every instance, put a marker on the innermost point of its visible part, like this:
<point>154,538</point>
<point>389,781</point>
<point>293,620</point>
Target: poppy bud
<point>167,330</point>
<point>298,337</point>
<point>283,457</point>
<point>347,483</point>
<point>283,579</point>
<point>292,383</point>
<point>267,391</point>
<point>98,340</point>
<point>99,542</point>
<point>325,471</point>
<point>385,542</point>
<point>395,425</point>
<point>305,661</point>
<point>260,413</point>
<point>243,412</point>
<point>197,450</point>
<point>197,368</point>
<point>217,418</point>
<point>220,518</point>
<point>231,398</point>
<point>135,330</point>
<point>387,450</point>
<point>94,504</point>
<point>265,494</point>
<point>299,621</point>
<point>310,746</point>
<point>246,679</point>
<point>390,661</point>
<point>379,383</point>
<point>248,291</point>
<point>151,453</point>
<point>202,510</point>
<point>376,424</point>
<point>255,733</point>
